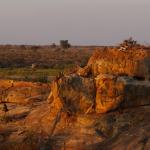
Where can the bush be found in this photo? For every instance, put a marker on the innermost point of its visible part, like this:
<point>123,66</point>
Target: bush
<point>64,44</point>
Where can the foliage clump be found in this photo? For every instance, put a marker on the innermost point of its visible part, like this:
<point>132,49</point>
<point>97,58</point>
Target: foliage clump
<point>129,44</point>
<point>64,44</point>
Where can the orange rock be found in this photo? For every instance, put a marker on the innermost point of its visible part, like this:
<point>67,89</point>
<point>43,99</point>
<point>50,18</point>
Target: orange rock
<point>109,93</point>
<point>132,63</point>
<point>77,94</point>
<point>84,72</point>
<point>113,92</point>
<point>22,92</point>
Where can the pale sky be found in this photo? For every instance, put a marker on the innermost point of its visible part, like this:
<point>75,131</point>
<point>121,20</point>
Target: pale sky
<point>82,22</point>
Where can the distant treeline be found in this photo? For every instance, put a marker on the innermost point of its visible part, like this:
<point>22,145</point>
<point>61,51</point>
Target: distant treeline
<point>43,56</point>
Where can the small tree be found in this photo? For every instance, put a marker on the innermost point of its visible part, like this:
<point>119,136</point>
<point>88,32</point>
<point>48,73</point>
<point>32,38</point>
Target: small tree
<point>129,43</point>
<point>64,44</point>
<point>53,45</point>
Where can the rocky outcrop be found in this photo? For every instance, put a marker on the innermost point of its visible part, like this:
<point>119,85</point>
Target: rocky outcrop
<point>114,92</point>
<point>77,94</point>
<point>135,63</point>
<point>109,131</point>
<point>109,93</point>
<point>111,79</point>
<point>105,105</point>
<point>22,92</point>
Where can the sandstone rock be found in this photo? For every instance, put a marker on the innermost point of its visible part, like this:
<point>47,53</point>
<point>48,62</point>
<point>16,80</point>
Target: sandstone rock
<point>136,93</point>
<point>137,138</point>
<point>113,92</point>
<point>119,81</point>
<point>134,63</point>
<point>84,72</point>
<point>77,94</point>
<point>109,93</point>
<point>6,84</point>
<point>23,95</point>
<point>104,94</point>
<point>22,92</point>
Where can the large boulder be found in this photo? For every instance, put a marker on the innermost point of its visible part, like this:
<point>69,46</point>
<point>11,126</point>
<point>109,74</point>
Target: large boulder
<point>77,94</point>
<point>102,94</point>
<point>114,92</point>
<point>135,63</point>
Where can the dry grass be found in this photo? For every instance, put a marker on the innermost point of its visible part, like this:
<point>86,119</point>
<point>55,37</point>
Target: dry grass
<point>44,56</point>
<point>16,61</point>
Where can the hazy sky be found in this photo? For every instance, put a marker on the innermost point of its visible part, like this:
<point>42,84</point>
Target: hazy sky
<point>85,22</point>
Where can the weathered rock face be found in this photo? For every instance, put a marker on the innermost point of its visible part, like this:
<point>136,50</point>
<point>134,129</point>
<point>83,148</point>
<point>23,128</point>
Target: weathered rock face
<point>134,63</point>
<point>130,128</point>
<point>22,92</point>
<point>84,72</point>
<point>114,92</point>
<point>109,93</point>
<point>110,131</point>
<point>100,95</point>
<point>77,94</point>
<point>136,93</point>
<point>111,79</point>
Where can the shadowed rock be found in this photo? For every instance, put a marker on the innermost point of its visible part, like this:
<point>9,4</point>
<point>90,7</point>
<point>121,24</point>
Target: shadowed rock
<point>76,94</point>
